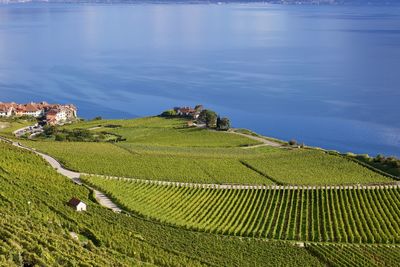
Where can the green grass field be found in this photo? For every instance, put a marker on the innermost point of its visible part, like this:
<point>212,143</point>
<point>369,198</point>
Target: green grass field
<point>327,215</point>
<point>35,226</point>
<point>169,132</point>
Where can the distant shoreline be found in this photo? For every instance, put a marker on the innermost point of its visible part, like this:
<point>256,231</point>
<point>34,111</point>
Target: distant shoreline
<point>216,2</point>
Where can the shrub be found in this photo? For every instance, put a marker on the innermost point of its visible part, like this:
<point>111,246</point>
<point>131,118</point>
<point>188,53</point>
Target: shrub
<point>49,130</point>
<point>223,124</point>
<point>292,142</point>
<point>168,113</point>
<point>379,158</point>
<point>333,152</point>
<point>60,137</point>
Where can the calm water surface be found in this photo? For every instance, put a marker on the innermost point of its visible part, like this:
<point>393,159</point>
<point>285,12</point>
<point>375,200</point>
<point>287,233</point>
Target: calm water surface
<point>326,76</point>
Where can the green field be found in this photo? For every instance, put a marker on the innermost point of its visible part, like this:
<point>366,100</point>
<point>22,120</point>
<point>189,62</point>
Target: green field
<point>264,165</point>
<point>168,225</point>
<point>356,255</point>
<point>169,132</point>
<point>313,167</point>
<point>35,226</point>
<point>165,149</point>
<point>327,215</point>
<point>105,158</point>
<point>8,126</point>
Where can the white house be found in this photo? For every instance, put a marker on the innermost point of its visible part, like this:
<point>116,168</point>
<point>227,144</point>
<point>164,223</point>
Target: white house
<point>6,110</point>
<point>57,115</point>
<point>33,110</point>
<point>77,204</point>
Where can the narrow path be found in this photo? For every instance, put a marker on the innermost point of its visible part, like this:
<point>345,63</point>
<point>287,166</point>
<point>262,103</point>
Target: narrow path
<point>244,186</point>
<point>264,141</point>
<point>101,198</point>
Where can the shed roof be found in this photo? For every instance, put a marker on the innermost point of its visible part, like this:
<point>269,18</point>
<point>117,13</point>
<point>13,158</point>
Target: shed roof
<point>74,202</point>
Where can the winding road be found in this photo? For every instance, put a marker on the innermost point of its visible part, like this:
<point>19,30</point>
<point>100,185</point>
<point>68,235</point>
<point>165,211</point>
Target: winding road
<point>101,198</point>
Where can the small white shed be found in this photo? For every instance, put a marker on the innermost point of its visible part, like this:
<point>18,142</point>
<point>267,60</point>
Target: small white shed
<point>77,204</point>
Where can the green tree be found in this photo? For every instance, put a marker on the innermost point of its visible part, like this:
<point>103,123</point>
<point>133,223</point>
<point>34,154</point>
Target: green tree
<point>49,130</point>
<point>208,117</point>
<point>223,124</point>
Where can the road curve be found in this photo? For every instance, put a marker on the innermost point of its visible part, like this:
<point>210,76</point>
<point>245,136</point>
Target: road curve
<point>101,198</point>
<point>264,141</point>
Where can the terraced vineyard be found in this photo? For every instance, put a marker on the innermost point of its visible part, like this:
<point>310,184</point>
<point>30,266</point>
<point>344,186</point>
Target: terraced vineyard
<point>104,158</point>
<point>339,226</point>
<point>166,149</point>
<point>313,167</point>
<point>36,226</point>
<point>356,255</point>
<point>327,215</point>
<point>210,165</point>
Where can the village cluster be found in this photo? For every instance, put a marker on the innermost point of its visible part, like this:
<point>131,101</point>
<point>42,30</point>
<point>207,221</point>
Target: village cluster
<point>193,113</point>
<point>51,114</point>
<point>199,117</point>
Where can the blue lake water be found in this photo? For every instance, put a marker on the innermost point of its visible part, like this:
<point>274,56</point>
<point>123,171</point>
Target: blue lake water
<point>327,76</point>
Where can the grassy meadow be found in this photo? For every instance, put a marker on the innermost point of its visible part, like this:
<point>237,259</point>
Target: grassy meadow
<point>165,132</point>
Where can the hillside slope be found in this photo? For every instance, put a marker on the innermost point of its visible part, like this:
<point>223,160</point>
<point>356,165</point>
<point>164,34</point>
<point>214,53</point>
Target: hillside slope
<point>38,228</point>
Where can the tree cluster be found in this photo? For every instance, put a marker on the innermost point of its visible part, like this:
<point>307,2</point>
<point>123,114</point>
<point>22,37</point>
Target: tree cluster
<point>212,120</point>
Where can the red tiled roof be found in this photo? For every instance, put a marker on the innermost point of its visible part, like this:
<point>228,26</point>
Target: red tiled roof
<point>31,108</point>
<point>5,107</point>
<point>187,110</point>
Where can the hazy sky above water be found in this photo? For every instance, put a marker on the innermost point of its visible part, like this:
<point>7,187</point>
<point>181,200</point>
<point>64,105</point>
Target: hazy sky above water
<point>327,76</point>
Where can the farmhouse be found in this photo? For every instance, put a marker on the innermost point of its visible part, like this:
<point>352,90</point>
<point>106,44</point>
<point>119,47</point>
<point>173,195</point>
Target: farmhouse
<point>77,204</point>
<point>188,111</point>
